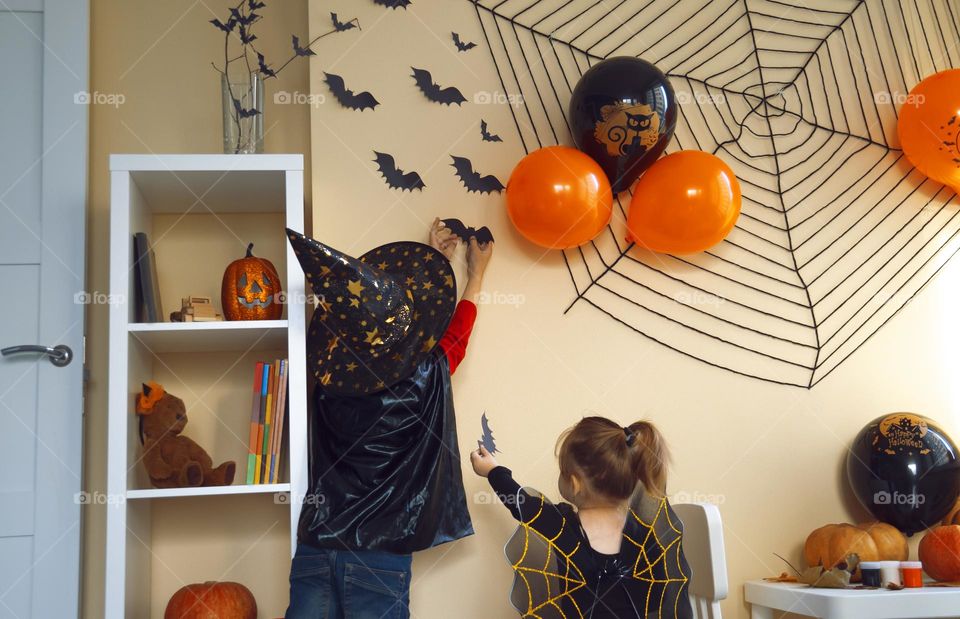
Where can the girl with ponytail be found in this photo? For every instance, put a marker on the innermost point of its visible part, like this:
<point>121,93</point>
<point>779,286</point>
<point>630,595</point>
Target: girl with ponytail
<point>614,548</point>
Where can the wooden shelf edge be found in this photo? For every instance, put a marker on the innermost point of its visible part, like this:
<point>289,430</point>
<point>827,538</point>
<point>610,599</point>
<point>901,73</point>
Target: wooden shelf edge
<point>221,325</point>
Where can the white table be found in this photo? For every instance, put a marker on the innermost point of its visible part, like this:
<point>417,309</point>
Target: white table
<point>926,603</point>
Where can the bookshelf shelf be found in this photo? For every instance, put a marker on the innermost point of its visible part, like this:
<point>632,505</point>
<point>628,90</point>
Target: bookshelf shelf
<point>166,337</point>
<point>163,493</point>
<point>200,212</point>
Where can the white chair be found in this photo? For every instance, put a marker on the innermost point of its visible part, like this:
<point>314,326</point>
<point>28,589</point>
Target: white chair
<point>703,547</point>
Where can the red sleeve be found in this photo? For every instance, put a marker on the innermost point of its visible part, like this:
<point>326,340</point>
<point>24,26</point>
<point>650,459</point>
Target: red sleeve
<point>454,341</point>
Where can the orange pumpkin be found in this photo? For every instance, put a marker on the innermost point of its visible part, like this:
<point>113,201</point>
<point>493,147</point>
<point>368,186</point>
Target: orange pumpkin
<point>940,553</point>
<point>872,541</point>
<point>251,289</point>
<point>212,600</point>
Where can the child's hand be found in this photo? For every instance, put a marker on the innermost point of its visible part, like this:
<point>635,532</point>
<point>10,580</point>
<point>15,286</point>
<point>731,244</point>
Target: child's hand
<point>483,461</point>
<point>478,256</point>
<point>443,239</point>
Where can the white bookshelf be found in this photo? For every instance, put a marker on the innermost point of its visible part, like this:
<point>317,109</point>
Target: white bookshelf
<point>204,203</point>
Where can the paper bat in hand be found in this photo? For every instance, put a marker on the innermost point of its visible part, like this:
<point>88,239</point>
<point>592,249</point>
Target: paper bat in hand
<point>345,97</point>
<point>465,232</point>
<point>486,135</point>
<point>433,91</point>
<point>264,69</point>
<point>474,181</point>
<point>395,177</point>
<point>486,437</point>
<point>461,46</point>
<point>340,26</point>
<point>394,4</point>
<point>301,51</point>
<point>244,113</point>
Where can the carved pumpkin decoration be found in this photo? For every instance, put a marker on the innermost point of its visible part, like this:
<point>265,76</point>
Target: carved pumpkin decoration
<point>940,553</point>
<point>872,541</point>
<point>212,600</point>
<point>251,289</point>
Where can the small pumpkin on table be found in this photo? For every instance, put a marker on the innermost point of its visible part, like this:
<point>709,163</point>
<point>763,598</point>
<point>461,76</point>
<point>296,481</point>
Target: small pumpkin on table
<point>251,289</point>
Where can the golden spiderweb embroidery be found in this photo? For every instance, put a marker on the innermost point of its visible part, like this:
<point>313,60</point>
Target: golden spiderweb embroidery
<point>546,577</point>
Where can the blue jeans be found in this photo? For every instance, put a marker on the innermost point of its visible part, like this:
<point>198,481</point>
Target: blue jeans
<point>345,584</point>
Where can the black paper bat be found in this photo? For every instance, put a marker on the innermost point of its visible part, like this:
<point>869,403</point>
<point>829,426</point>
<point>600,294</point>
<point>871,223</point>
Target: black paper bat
<point>246,36</point>
<point>244,113</point>
<point>486,135</point>
<point>345,97</point>
<point>465,232</point>
<point>340,26</point>
<point>394,4</point>
<point>253,5</point>
<point>486,436</point>
<point>237,16</point>
<point>433,91</point>
<point>264,69</point>
<point>301,51</point>
<point>395,177</point>
<point>474,181</point>
<point>226,27</point>
<point>461,46</point>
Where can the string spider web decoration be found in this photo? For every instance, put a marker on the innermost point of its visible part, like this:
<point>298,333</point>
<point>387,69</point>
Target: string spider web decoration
<point>548,582</point>
<point>837,231</point>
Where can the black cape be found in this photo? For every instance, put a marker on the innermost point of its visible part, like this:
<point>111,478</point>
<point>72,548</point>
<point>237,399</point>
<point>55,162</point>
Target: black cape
<point>385,468</point>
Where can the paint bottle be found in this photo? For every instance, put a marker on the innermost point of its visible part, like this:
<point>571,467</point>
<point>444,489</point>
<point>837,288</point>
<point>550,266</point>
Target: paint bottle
<point>889,573</point>
<point>912,573</point>
<point>870,573</point>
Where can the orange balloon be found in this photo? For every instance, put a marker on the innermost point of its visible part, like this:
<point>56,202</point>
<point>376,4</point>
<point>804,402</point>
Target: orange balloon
<point>684,203</point>
<point>929,127</point>
<point>558,197</point>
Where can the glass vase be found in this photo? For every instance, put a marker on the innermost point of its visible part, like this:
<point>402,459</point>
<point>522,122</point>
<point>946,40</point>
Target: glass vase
<point>242,97</point>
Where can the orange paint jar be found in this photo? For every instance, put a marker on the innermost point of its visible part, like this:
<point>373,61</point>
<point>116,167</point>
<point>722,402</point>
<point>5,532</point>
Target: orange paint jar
<point>912,573</point>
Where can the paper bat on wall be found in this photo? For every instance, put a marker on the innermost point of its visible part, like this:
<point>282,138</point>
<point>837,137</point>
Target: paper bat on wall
<point>394,4</point>
<point>483,235</point>
<point>345,97</point>
<point>433,91</point>
<point>474,181</point>
<point>264,69</point>
<point>395,177</point>
<point>461,46</point>
<point>486,135</point>
<point>486,436</point>
<point>340,26</point>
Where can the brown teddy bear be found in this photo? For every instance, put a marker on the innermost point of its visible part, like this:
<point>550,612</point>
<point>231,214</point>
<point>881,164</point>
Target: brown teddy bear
<point>173,460</point>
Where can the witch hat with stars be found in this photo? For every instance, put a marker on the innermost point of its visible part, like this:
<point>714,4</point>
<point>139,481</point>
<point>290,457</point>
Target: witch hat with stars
<point>378,316</point>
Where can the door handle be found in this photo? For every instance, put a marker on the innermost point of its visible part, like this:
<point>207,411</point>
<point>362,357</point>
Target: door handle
<point>59,355</point>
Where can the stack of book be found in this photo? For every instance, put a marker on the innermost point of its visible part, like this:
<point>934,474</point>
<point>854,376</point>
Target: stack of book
<point>267,415</point>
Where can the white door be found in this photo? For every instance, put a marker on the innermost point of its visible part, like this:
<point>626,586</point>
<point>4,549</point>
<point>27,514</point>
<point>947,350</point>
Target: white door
<point>43,150</point>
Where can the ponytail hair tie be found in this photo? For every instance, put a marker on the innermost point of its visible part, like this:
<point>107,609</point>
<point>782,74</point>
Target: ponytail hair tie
<point>631,437</point>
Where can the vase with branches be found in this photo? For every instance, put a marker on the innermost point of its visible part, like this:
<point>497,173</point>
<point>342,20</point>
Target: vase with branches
<point>244,70</point>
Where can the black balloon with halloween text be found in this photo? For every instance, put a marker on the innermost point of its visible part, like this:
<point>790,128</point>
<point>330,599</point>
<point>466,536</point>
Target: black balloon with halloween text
<point>904,469</point>
<point>623,113</point>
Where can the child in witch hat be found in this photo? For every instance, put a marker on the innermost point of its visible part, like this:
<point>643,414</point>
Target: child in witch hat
<point>385,476</point>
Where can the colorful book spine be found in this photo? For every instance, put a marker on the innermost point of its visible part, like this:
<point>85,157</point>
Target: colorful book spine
<point>254,423</point>
<point>277,441</point>
<point>264,392</point>
<point>268,421</point>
